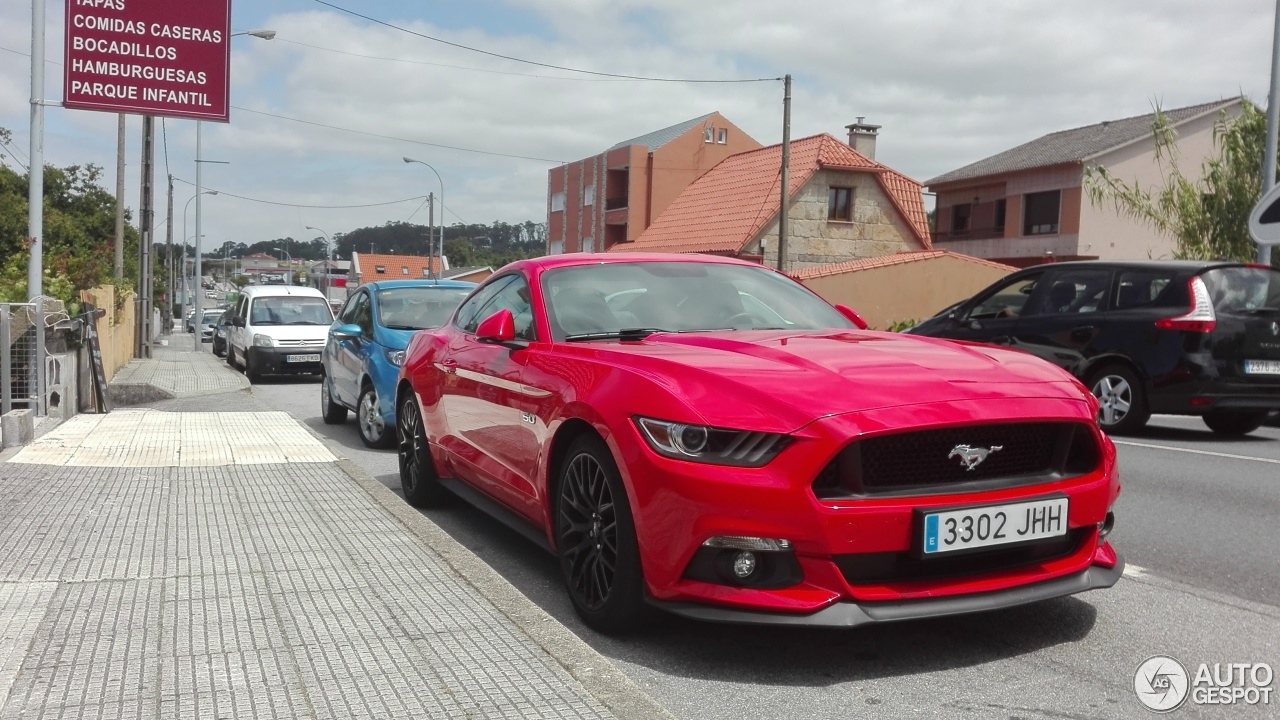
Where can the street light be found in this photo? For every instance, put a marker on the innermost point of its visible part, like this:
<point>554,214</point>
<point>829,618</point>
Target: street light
<point>288,273</point>
<point>328,259</point>
<point>265,35</point>
<point>432,265</point>
<point>186,289</point>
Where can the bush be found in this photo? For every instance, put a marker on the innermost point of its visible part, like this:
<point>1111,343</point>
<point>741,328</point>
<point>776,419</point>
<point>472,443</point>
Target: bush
<point>900,325</point>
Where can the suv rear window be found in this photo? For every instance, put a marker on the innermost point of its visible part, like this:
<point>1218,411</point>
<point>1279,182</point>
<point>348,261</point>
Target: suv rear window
<point>1245,290</point>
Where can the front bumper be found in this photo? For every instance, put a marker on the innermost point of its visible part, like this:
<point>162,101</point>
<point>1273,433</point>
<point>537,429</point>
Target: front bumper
<point>848,614</point>
<point>679,505</point>
<point>274,361</point>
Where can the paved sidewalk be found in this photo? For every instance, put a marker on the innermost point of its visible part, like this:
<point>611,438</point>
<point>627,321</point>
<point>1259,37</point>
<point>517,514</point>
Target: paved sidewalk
<point>173,371</point>
<point>227,565</point>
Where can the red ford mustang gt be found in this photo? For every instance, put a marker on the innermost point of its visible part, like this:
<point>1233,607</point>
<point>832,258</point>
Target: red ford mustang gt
<point>709,437</point>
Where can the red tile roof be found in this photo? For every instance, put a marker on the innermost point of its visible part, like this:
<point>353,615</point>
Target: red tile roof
<point>886,261</point>
<point>395,266</point>
<point>728,206</point>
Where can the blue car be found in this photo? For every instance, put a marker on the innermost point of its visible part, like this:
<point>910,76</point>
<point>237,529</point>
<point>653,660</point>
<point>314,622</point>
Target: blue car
<point>366,345</point>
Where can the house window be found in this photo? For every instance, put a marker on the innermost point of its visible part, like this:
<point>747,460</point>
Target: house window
<point>722,136</point>
<point>589,195</point>
<point>426,272</point>
<point>588,244</point>
<point>709,135</point>
<point>840,203</point>
<point>404,271</point>
<point>557,247</point>
<point>381,270</point>
<point>960,215</point>
<point>1001,207</point>
<point>557,202</point>
<point>1040,212</point>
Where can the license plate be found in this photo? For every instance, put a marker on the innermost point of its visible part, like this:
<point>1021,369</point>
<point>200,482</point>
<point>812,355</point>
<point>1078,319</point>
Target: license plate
<point>994,525</point>
<point>1262,367</point>
<point>302,358</point>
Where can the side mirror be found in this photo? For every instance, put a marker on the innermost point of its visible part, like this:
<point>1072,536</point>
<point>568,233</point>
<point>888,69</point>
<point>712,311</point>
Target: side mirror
<point>498,328</point>
<point>237,321</point>
<point>852,316</point>
<point>349,331</point>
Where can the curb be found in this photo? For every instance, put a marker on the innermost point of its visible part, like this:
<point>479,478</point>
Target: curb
<point>598,675</point>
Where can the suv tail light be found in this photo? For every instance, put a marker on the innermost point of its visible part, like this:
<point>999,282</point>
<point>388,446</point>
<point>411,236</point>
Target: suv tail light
<point>1201,319</point>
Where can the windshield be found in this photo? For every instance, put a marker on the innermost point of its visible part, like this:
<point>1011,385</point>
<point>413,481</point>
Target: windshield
<point>418,308</point>
<point>1246,290</point>
<point>679,297</point>
<point>210,317</point>
<point>290,310</point>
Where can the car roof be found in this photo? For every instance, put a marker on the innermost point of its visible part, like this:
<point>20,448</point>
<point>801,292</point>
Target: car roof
<point>281,290</point>
<point>397,284</point>
<point>1178,265</point>
<point>549,262</point>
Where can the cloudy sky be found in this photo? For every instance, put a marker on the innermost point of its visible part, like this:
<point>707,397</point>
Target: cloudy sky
<point>951,81</point>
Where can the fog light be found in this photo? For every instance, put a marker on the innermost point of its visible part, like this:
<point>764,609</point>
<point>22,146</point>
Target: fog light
<point>744,564</point>
<point>1105,527</point>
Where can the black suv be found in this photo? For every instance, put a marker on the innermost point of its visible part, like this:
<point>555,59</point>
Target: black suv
<point>1175,337</point>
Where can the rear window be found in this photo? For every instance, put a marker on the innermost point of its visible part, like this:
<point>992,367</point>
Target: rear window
<point>1137,288</point>
<point>1245,290</point>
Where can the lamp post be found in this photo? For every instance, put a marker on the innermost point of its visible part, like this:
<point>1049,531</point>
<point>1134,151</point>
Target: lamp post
<point>328,259</point>
<point>434,274</point>
<point>186,290</point>
<point>288,277</point>
<point>265,35</point>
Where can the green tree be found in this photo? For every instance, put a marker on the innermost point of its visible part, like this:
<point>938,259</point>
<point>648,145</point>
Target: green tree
<point>1209,217</point>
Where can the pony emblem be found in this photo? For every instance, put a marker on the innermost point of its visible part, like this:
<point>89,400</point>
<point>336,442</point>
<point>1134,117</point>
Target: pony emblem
<point>972,457</point>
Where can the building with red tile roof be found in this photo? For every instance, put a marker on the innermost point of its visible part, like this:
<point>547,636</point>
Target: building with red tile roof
<point>368,267</point>
<point>844,206</point>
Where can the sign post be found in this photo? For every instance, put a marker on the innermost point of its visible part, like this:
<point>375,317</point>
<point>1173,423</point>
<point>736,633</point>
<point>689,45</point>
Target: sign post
<point>149,57</point>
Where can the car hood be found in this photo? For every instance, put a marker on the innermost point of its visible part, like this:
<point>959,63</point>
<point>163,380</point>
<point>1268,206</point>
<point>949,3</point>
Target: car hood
<point>294,332</point>
<point>394,339</point>
<point>810,375</point>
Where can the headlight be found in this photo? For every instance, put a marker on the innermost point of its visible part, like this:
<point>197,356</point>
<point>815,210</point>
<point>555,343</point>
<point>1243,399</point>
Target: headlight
<point>395,357</point>
<point>260,340</point>
<point>714,446</point>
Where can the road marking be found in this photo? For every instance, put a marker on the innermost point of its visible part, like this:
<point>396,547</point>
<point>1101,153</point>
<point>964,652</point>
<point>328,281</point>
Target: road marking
<point>1134,570</point>
<point>1198,452</point>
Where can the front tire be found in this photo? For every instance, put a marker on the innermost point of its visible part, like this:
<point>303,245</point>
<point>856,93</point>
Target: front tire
<point>374,432</point>
<point>1225,422</point>
<point>249,371</point>
<point>332,412</point>
<point>418,478</point>
<point>596,539</point>
<point>1121,398</point>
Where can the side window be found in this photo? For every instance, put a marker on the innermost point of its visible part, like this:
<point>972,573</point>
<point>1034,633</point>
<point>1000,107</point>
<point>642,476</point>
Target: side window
<point>348,313</point>
<point>468,317</point>
<point>362,313</point>
<point>1008,300</point>
<point>1074,292</point>
<point>514,296</point>
<point>1137,288</point>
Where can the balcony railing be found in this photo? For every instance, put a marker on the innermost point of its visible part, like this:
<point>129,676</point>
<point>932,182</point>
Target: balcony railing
<point>615,203</point>
<point>982,233</point>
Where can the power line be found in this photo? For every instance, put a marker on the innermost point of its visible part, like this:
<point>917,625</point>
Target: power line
<point>397,139</point>
<point>298,205</point>
<point>452,67</point>
<point>534,62</point>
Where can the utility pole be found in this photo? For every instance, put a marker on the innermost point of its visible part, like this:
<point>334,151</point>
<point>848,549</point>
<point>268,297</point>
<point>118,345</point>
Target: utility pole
<point>35,199</point>
<point>146,218</point>
<point>118,267</point>
<point>167,325</point>
<point>786,172</point>
<point>431,242</point>
<point>1273,128</point>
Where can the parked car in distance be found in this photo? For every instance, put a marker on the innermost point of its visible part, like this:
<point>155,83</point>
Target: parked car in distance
<point>681,448</point>
<point>278,330</point>
<point>365,349</point>
<point>1174,337</point>
<point>208,319</point>
<point>220,335</point>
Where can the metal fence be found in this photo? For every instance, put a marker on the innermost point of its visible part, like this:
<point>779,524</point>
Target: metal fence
<point>21,356</point>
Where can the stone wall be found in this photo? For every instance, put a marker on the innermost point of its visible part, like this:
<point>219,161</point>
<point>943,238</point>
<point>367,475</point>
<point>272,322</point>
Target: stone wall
<point>877,228</point>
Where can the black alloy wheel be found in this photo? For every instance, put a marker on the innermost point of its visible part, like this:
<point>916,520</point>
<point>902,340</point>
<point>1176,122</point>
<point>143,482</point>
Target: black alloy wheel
<point>596,538</point>
<point>418,478</point>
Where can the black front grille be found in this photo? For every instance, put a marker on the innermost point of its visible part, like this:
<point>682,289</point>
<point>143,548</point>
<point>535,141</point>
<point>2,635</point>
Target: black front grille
<point>970,457</point>
<point>869,568</point>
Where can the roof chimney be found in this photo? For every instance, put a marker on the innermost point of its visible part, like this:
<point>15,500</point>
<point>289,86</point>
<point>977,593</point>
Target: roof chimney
<point>862,137</point>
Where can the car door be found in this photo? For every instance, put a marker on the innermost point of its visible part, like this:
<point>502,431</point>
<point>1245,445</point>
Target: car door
<point>1065,318</point>
<point>349,353</point>
<point>236,341</point>
<point>993,316</point>
<point>488,437</point>
<point>333,347</point>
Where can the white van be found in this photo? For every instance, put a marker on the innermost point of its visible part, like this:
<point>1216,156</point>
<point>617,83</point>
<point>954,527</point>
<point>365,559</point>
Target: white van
<point>278,330</point>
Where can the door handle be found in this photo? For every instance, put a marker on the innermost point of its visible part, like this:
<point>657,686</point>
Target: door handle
<point>450,366</point>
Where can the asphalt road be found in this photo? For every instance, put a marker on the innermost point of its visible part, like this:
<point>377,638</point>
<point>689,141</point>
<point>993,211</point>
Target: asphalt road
<point>1198,521</point>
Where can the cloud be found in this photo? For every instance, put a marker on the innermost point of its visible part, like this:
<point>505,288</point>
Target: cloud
<point>950,81</point>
